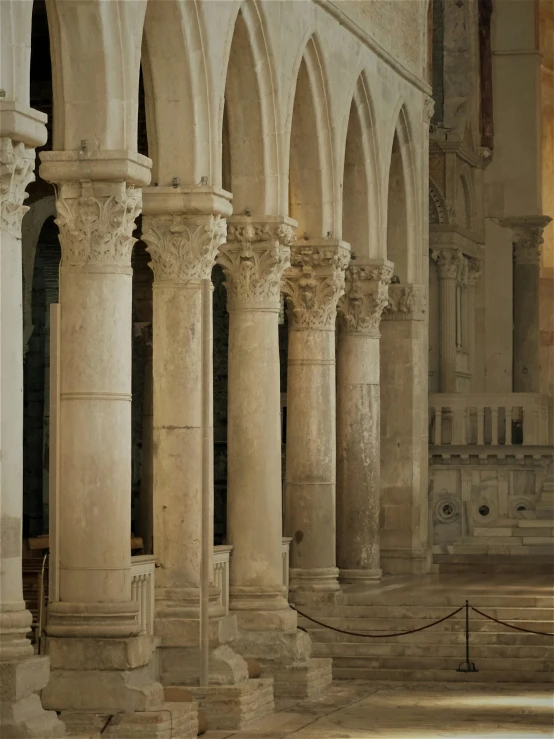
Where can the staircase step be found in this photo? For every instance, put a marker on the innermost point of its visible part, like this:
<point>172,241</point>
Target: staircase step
<point>432,637</point>
<point>538,540</point>
<point>531,533</point>
<point>515,666</point>
<point>453,624</point>
<point>452,600</point>
<point>440,676</point>
<point>431,613</point>
<point>370,650</point>
<point>530,523</point>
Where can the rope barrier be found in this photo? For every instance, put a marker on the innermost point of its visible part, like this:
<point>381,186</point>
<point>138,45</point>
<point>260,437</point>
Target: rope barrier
<point>378,636</point>
<point>511,626</point>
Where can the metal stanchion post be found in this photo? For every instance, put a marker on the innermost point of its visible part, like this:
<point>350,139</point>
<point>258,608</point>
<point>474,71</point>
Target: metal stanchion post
<point>467,666</point>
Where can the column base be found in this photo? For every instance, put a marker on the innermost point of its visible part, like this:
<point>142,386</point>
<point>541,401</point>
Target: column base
<point>21,713</point>
<point>171,721</point>
<point>229,707</point>
<point>283,652</point>
<point>358,577</point>
<point>320,580</point>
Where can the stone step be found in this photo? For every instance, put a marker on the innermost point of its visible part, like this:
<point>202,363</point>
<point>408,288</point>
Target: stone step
<point>529,523</point>
<point>541,532</point>
<point>533,540</point>
<point>546,667</point>
<point>452,600</point>
<point>431,637</point>
<point>440,676</point>
<point>431,613</point>
<point>544,653</point>
<point>542,564</point>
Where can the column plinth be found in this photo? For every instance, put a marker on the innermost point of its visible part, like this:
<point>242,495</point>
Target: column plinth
<point>254,259</point>
<point>526,242</point>
<point>449,264</point>
<point>358,421</point>
<point>313,285</point>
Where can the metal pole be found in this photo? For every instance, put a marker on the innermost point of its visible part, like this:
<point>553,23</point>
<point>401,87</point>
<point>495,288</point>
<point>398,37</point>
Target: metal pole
<point>467,666</point>
<point>206,477</point>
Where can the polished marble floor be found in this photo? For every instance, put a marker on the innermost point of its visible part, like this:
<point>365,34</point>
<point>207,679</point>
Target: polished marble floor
<point>364,710</point>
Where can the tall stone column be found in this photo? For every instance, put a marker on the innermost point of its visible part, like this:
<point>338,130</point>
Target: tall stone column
<point>448,263</point>
<point>526,239</point>
<point>254,259</point>
<point>99,660</point>
<point>313,286</point>
<point>183,245</point>
<point>473,275</point>
<point>22,675</point>
<point>404,442</point>
<point>358,421</point>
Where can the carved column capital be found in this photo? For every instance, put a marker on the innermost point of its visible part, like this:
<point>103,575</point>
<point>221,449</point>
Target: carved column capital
<point>449,263</point>
<point>527,237</point>
<point>474,267</point>
<point>366,295</point>
<point>406,303</point>
<point>463,272</point>
<point>314,283</point>
<point>254,258</point>
<point>183,248</point>
<point>96,222</point>
<point>17,164</point>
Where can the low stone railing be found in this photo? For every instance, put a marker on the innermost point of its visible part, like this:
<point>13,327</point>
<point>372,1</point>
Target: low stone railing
<point>142,589</point>
<point>142,580</point>
<point>488,419</point>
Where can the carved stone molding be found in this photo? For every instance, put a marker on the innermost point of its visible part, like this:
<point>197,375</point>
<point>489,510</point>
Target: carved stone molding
<point>366,296</point>
<point>97,229</point>
<point>428,109</point>
<point>463,272</point>
<point>474,267</point>
<point>527,237</point>
<point>183,248</point>
<point>254,260</point>
<point>314,284</point>
<point>17,164</point>
<point>406,303</point>
<point>449,263</point>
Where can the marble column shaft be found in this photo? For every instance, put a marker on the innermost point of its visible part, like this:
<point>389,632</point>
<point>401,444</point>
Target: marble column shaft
<point>313,285</point>
<point>358,421</point>
<point>448,262</point>
<point>183,250</point>
<point>254,259</point>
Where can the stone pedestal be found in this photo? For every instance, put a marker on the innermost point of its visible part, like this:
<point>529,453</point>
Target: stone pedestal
<point>100,663</point>
<point>22,675</point>
<point>526,239</point>
<point>448,263</point>
<point>358,421</point>
<point>404,433</point>
<point>313,285</point>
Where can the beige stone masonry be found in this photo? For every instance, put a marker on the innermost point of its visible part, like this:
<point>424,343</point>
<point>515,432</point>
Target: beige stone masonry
<point>449,262</point>
<point>22,675</point>
<point>358,420</point>
<point>313,286</point>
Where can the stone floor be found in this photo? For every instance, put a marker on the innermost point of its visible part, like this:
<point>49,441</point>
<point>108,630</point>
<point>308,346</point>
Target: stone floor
<point>363,710</point>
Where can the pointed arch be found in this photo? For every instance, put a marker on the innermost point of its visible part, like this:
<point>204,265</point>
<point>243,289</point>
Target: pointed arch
<point>176,90</point>
<point>360,193</point>
<point>401,218</point>
<point>310,147</point>
<point>249,108</point>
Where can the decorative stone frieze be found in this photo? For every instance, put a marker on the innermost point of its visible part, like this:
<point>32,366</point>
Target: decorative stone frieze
<point>97,229</point>
<point>17,163</point>
<point>406,303</point>
<point>449,262</point>
<point>254,260</point>
<point>314,284</point>
<point>366,296</point>
<point>183,248</point>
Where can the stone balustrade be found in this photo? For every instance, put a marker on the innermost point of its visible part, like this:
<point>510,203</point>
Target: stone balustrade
<point>142,589</point>
<point>221,560</point>
<point>488,419</point>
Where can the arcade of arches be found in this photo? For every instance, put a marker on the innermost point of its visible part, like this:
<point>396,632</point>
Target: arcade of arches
<point>288,253</point>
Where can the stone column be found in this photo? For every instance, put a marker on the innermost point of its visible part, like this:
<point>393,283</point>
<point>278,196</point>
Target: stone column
<point>313,286</point>
<point>22,675</point>
<point>254,259</point>
<point>404,444</point>
<point>473,274</point>
<point>448,263</point>
<point>183,245</point>
<point>358,421</point>
<point>99,662</point>
<point>526,239</point>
